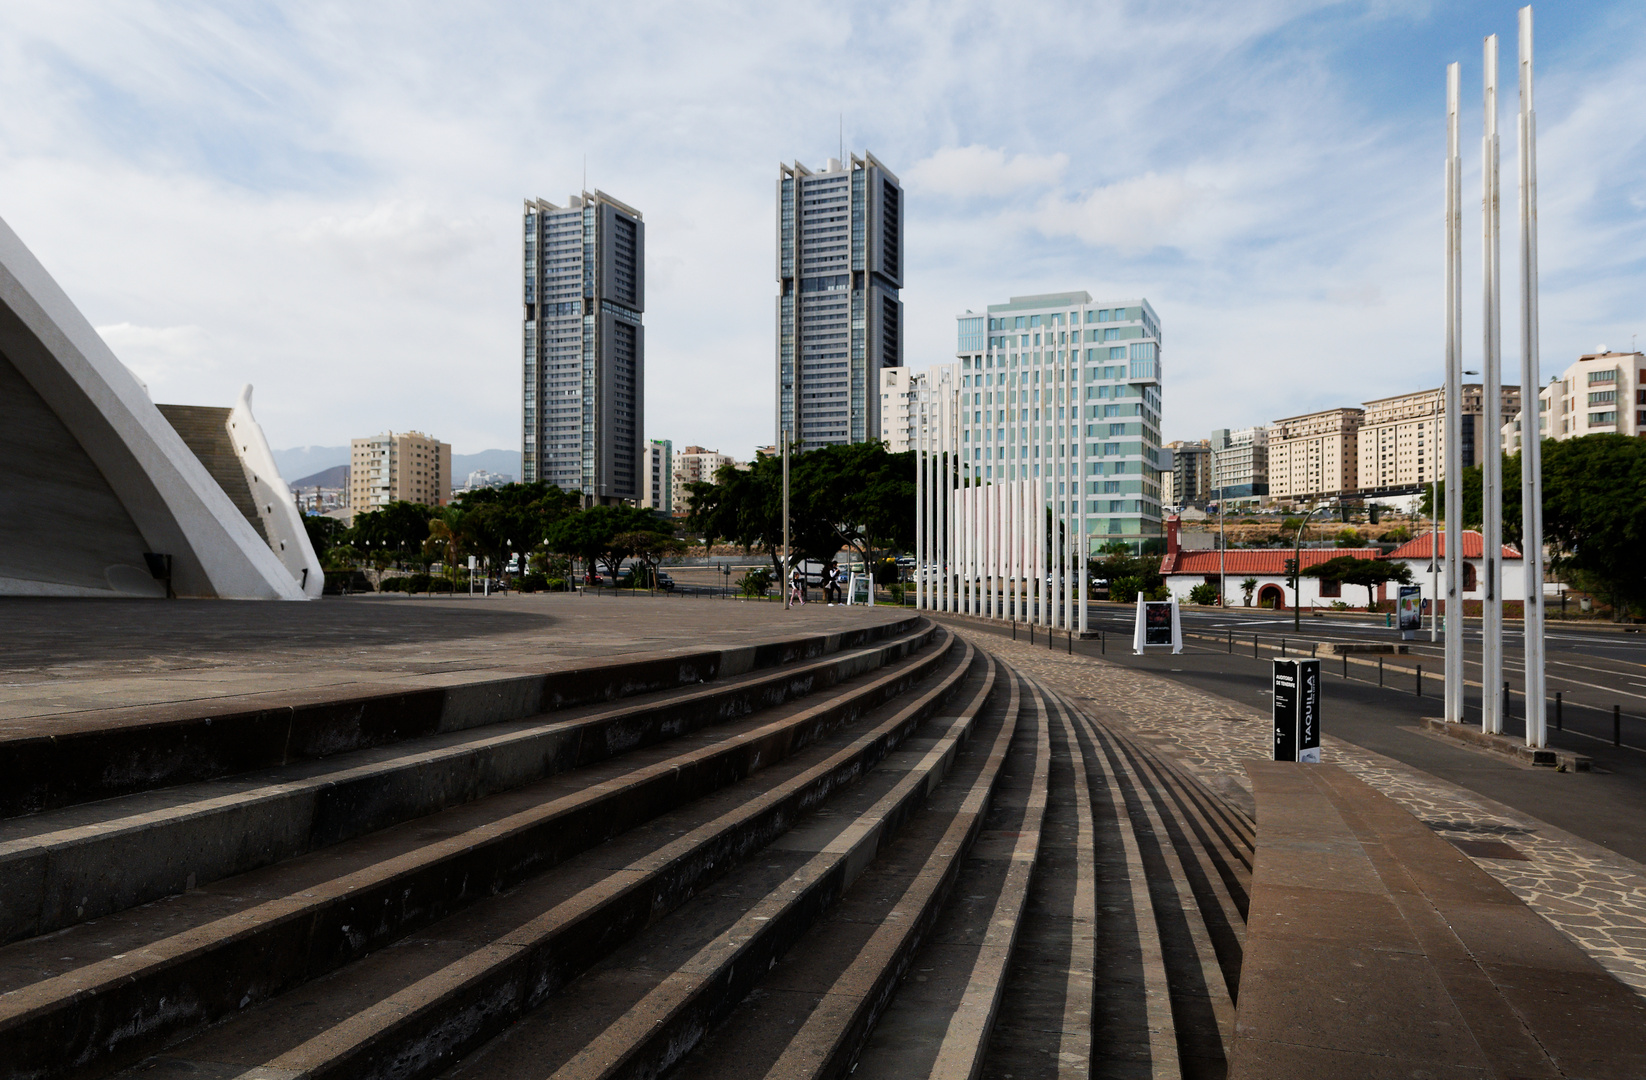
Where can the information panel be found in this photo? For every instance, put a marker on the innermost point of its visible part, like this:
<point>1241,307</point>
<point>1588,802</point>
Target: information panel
<point>1297,710</point>
<point>1409,611</point>
<point>1157,622</point>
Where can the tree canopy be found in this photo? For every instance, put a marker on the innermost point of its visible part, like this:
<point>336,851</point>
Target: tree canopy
<point>1368,573</point>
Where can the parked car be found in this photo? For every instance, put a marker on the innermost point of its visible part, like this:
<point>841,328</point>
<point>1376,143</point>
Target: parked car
<point>665,582</point>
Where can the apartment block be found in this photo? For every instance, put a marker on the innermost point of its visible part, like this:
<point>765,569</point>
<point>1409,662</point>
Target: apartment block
<point>584,350</point>
<point>408,466</point>
<point>657,468</point>
<point>1240,464</point>
<point>1315,456</point>
<point>1191,472</point>
<point>1604,392</point>
<point>839,316</point>
<point>1063,390</point>
<point>692,465</point>
<point>1403,438</point>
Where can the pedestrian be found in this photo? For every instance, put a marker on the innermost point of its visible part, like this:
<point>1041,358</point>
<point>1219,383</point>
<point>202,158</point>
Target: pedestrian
<point>831,585</point>
<point>797,587</point>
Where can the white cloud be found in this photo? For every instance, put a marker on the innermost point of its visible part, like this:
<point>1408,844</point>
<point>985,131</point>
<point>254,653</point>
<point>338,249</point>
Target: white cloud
<point>161,356</point>
<point>972,171</point>
<point>1133,215</point>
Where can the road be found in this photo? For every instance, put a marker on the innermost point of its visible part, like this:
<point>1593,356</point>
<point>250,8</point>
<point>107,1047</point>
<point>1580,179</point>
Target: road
<point>1591,669</point>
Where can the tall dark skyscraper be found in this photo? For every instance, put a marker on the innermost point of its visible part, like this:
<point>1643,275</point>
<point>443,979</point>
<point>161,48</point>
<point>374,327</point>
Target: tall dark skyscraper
<point>584,356</point>
<point>839,319</point>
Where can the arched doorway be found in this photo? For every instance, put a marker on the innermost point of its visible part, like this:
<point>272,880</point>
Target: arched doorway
<point>1272,596</point>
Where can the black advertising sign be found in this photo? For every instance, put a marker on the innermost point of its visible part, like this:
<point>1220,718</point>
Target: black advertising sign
<point>1157,622</point>
<point>1409,609</point>
<point>1297,710</point>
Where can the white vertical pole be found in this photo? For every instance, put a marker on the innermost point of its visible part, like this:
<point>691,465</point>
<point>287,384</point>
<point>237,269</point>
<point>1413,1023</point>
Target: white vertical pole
<point>1083,550</point>
<point>992,500</point>
<point>783,584</point>
<point>1531,453</point>
<point>920,493</point>
<point>1039,533</point>
<point>1452,444</point>
<point>1491,610</point>
<point>1017,545</point>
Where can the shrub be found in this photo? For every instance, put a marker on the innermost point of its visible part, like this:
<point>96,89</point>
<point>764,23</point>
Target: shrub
<point>895,591</point>
<point>554,584</point>
<point>417,583</point>
<point>1204,593</point>
<point>1292,524</point>
<point>393,584</point>
<point>1125,589</point>
<point>337,581</point>
<point>755,582</point>
<point>439,585</point>
<point>533,582</point>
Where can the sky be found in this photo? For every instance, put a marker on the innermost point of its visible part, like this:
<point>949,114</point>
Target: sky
<point>324,199</point>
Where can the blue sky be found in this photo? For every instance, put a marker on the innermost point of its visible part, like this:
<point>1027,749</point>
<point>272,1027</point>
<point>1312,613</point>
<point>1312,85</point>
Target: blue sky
<point>323,200</point>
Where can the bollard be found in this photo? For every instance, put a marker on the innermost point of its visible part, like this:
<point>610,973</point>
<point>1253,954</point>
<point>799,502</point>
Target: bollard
<point>1051,636</point>
<point>1505,711</point>
<point>1071,642</point>
<point>1254,646</point>
<point>1345,665</point>
<point>1420,680</point>
<point>1283,647</point>
<point>1031,633</point>
<point>1103,643</point>
<point>1380,671</point>
<point>1231,642</point>
<point>1313,645</point>
<point>1559,721</point>
<point>1617,725</point>
<point>1014,629</point>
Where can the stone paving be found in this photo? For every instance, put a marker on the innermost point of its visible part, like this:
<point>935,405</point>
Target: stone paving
<point>1594,896</point>
<point>66,657</point>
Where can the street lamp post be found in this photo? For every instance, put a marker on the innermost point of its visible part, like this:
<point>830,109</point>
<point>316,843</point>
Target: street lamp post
<point>1297,567</point>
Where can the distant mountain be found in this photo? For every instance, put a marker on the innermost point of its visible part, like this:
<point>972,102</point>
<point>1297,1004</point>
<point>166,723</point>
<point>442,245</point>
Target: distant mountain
<point>306,460</point>
<point>493,461</point>
<point>335,477</point>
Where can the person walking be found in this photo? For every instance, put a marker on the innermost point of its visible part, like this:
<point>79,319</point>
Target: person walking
<point>797,586</point>
<point>831,585</point>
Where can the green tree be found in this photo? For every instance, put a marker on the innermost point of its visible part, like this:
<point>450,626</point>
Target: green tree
<point>398,528</point>
<point>1594,513</point>
<point>1368,573</point>
<point>1249,586</point>
<point>324,533</point>
<point>593,534</point>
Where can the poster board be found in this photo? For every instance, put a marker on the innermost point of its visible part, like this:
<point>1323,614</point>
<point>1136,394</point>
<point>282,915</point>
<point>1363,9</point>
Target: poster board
<point>1158,625</point>
<point>1297,710</point>
<point>860,590</point>
<point>1409,611</point>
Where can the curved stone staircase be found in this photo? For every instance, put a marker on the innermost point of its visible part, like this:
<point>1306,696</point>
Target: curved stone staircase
<point>878,854</point>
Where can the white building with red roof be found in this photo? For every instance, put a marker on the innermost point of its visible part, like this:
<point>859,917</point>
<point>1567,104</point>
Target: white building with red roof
<point>1416,554</point>
<point>1183,570</point>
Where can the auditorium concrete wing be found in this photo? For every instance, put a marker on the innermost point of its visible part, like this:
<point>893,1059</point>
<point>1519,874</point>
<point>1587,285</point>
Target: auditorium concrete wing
<point>102,493</point>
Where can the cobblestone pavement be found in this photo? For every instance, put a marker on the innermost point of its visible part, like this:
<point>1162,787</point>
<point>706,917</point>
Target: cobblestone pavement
<point>1593,895</point>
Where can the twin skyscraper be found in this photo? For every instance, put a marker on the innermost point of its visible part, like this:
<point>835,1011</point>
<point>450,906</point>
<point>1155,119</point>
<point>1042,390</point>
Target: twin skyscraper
<point>839,321</point>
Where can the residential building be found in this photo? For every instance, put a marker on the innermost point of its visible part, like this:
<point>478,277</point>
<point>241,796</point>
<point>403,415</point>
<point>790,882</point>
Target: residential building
<point>481,478</point>
<point>839,316</point>
<point>1240,463</point>
<point>694,464</point>
<point>1191,472</point>
<point>901,391</point>
<point>657,469</point>
<point>1066,391</point>
<point>1314,456</point>
<point>405,467</point>
<point>1603,392</point>
<point>1402,438</point>
<point>582,412</point>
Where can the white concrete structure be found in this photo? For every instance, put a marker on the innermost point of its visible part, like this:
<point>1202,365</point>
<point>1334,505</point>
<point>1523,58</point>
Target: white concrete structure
<point>1472,567</point>
<point>899,387</point>
<point>104,490</point>
<point>1603,392</point>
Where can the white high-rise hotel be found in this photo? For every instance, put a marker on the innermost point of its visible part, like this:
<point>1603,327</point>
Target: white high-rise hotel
<point>1062,390</point>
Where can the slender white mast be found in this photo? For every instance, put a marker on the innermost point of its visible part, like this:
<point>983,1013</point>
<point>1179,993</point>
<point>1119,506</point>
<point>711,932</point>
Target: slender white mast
<point>1492,703</point>
<point>1451,443</point>
<point>1531,426</point>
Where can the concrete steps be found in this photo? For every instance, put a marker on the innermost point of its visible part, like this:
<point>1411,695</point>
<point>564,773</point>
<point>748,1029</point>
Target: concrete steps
<point>125,984</point>
<point>884,856</point>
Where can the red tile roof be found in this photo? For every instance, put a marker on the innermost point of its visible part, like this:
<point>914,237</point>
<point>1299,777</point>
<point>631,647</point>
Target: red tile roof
<point>1473,545</point>
<point>1270,561</point>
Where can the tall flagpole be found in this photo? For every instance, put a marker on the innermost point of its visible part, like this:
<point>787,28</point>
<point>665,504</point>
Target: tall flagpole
<point>919,501</point>
<point>1492,703</point>
<point>1451,443</point>
<point>1531,434</point>
<point>784,582</point>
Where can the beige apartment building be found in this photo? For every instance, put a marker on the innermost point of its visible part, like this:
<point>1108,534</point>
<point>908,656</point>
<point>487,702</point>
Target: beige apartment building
<point>1402,440</point>
<point>694,464</point>
<point>1604,392</point>
<point>405,467</point>
<point>898,387</point>
<point>1315,455</point>
<point>1191,478</point>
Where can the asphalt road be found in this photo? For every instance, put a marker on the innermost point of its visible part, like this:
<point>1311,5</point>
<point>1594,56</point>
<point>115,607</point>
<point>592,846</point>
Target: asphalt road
<point>1607,806</point>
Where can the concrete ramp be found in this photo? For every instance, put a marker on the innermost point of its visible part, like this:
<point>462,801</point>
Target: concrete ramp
<point>1374,948</point>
